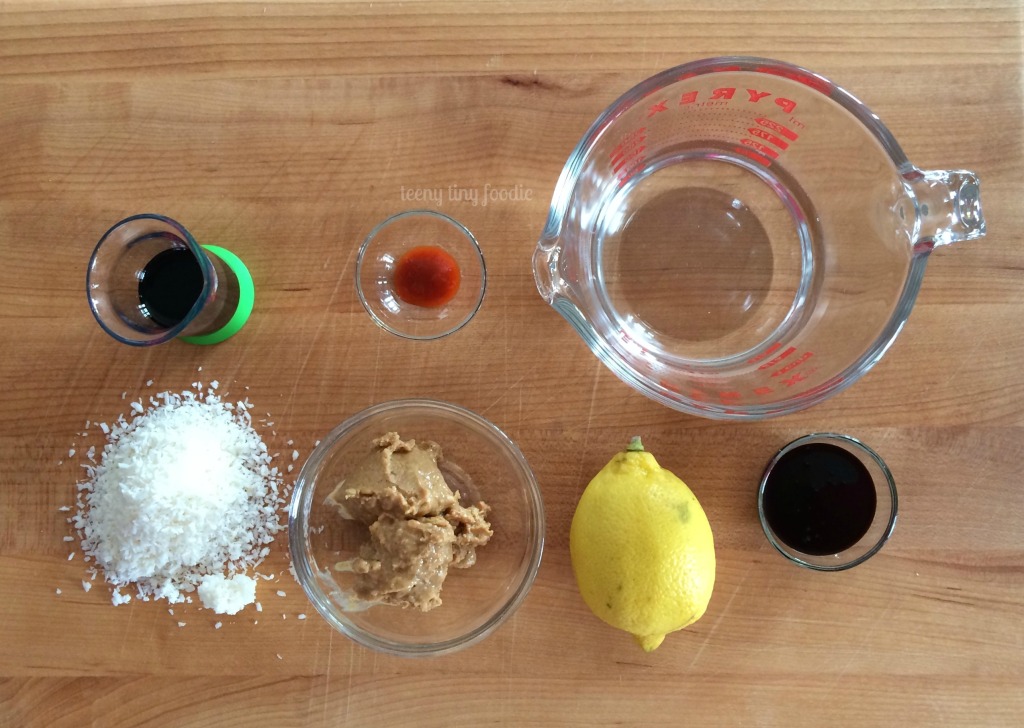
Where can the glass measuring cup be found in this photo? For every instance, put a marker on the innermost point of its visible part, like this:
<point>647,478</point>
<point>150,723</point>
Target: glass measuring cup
<point>740,238</point>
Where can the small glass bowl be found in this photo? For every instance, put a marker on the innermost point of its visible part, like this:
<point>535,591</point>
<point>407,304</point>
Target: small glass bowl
<point>878,532</point>
<point>380,253</point>
<point>475,601</point>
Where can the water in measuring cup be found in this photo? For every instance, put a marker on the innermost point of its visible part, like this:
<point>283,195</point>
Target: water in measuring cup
<point>706,256</point>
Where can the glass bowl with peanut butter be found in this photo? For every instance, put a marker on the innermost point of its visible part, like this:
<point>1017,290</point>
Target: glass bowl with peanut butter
<point>416,527</point>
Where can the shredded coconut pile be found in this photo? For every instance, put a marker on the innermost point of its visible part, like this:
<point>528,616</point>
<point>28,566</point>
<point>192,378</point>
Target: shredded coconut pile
<point>182,491</point>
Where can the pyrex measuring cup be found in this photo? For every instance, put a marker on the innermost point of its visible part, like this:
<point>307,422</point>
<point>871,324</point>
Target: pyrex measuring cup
<point>741,238</point>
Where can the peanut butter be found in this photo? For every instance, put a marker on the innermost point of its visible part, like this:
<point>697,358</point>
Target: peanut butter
<point>417,526</point>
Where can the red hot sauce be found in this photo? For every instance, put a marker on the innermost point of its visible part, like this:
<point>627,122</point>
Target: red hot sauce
<point>427,276</point>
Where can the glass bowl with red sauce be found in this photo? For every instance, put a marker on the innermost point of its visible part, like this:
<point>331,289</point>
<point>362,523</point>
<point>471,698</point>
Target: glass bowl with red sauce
<point>420,274</point>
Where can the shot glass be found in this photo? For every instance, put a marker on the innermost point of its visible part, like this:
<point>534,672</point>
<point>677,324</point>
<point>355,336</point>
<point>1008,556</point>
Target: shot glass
<point>149,281</point>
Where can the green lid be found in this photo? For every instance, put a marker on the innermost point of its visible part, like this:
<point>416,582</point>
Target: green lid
<point>246,297</point>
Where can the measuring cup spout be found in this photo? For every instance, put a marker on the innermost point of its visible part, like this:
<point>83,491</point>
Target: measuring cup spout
<point>545,268</point>
<point>948,207</point>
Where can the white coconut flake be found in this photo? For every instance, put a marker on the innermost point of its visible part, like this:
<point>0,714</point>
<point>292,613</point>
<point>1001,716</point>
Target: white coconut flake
<point>58,592</point>
<point>281,593</point>
<point>218,625</point>
<point>149,382</point>
<point>227,595</point>
<point>259,607</point>
<point>181,624</point>
<point>302,616</point>
<point>182,491</point>
<point>86,585</point>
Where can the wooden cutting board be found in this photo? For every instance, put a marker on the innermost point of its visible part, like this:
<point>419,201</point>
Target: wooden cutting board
<point>286,132</point>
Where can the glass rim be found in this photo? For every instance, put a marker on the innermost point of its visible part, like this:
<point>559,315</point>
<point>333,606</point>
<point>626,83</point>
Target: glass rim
<point>794,555</point>
<point>298,526</point>
<point>477,257</point>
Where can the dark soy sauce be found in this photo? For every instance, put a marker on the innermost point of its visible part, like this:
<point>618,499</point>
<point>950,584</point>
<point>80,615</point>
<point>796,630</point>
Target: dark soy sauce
<point>819,499</point>
<point>169,286</point>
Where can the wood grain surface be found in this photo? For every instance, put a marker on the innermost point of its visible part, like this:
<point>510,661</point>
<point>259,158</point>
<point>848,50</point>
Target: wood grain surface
<point>286,131</point>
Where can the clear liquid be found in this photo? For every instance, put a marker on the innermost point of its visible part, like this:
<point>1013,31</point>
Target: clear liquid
<point>706,257</point>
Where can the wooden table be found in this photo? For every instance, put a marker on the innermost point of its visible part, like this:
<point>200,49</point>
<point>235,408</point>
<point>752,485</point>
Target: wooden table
<point>285,132</point>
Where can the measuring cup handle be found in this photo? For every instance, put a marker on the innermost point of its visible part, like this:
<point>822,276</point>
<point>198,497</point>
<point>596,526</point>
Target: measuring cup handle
<point>948,205</point>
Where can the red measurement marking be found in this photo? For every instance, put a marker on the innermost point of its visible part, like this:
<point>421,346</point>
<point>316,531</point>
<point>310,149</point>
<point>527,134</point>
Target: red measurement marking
<point>633,155</point>
<point>669,386</point>
<point>764,149</point>
<point>628,156</point>
<point>660,106</point>
<point>723,93</point>
<point>815,82</point>
<point>726,68</point>
<point>780,357</point>
<point>777,127</point>
<point>627,174</point>
<point>729,396</point>
<point>756,95</point>
<point>698,395</point>
<point>688,98</point>
<point>768,137</point>
<point>793,364</point>
<point>753,155</point>
<point>629,142</point>
<point>761,391</point>
<point>798,377</point>
<point>767,352</point>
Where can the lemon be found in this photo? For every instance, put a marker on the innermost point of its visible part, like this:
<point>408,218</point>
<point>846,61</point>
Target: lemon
<point>642,548</point>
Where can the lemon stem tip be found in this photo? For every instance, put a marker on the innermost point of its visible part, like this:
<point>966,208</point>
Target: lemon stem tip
<point>635,445</point>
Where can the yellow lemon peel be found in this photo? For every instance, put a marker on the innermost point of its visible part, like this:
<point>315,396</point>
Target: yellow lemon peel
<point>642,548</point>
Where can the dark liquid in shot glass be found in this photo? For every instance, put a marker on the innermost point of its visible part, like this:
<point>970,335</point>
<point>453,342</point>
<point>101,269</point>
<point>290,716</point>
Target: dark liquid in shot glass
<point>169,286</point>
<point>819,499</point>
